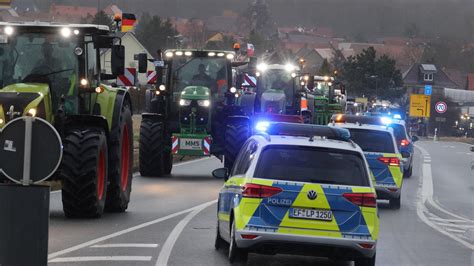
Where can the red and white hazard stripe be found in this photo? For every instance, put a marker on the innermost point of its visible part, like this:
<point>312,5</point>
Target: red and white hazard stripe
<point>207,146</point>
<point>128,78</point>
<point>249,81</point>
<point>175,144</point>
<point>151,77</point>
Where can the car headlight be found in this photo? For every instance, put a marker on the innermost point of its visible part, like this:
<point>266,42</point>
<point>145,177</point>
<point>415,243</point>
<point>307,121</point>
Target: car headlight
<point>183,102</point>
<point>204,103</point>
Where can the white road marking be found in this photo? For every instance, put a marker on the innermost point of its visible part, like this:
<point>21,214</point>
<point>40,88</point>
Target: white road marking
<point>101,258</point>
<point>165,251</point>
<point>455,225</point>
<point>125,245</point>
<point>125,231</point>
<point>452,230</point>
<point>427,196</point>
<point>450,220</point>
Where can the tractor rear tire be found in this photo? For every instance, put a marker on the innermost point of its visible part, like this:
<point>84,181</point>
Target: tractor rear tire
<point>167,155</point>
<point>151,148</point>
<point>84,173</point>
<point>235,137</point>
<point>120,163</point>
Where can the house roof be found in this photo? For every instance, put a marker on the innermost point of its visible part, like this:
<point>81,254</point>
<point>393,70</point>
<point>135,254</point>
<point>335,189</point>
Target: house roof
<point>441,79</point>
<point>326,53</point>
<point>73,11</point>
<point>24,6</point>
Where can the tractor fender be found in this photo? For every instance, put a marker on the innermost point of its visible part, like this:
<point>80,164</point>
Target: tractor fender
<point>87,121</point>
<point>123,97</point>
<point>238,119</point>
<point>153,116</point>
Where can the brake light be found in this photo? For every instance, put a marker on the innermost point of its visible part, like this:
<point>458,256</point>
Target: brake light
<point>366,245</point>
<point>259,191</point>
<point>392,161</point>
<point>405,142</point>
<point>362,199</point>
<point>249,236</point>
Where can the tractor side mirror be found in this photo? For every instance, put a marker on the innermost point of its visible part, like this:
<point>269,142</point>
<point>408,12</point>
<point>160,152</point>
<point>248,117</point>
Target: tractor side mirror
<point>118,60</point>
<point>142,63</point>
<point>221,173</point>
<point>415,139</point>
<point>471,148</point>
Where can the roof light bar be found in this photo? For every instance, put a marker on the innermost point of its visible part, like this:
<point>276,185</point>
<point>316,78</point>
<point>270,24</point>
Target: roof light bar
<point>361,119</point>
<point>307,130</point>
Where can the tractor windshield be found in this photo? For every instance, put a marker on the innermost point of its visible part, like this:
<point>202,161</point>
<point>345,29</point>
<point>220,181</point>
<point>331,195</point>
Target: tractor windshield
<point>200,71</point>
<point>38,58</point>
<point>277,79</point>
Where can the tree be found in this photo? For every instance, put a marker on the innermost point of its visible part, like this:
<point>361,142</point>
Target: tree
<point>155,33</point>
<point>325,69</point>
<point>338,60</point>
<point>102,19</point>
<point>226,43</point>
<point>411,30</point>
<point>369,76</point>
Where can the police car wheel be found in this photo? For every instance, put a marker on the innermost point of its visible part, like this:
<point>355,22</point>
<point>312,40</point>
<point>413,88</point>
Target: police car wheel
<point>395,203</point>
<point>365,261</point>
<point>219,242</point>
<point>236,255</point>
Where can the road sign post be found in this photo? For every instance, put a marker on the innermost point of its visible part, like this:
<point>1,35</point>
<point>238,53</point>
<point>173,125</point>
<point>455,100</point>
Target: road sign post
<point>30,152</point>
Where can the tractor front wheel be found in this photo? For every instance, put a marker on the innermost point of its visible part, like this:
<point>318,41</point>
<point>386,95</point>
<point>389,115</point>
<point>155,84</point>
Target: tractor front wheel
<point>120,163</point>
<point>84,173</point>
<point>151,148</point>
<point>235,137</point>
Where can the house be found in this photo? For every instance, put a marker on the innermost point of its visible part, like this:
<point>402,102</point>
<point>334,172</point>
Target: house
<point>419,75</point>
<point>73,12</point>
<point>133,47</point>
<point>470,82</point>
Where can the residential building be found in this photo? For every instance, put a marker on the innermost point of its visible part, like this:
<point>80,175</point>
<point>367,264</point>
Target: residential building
<point>419,75</point>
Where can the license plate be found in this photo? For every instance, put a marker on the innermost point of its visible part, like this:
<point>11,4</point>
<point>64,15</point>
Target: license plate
<point>191,144</point>
<point>310,214</point>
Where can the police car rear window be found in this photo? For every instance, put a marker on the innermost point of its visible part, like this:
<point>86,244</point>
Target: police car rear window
<point>373,140</point>
<point>312,165</point>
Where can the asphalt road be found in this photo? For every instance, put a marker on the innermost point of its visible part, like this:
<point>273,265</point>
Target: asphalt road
<point>172,220</point>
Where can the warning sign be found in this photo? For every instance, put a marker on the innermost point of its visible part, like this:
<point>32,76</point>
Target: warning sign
<point>420,105</point>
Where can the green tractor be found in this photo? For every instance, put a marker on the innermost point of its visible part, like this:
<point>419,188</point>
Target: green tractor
<point>54,72</point>
<point>326,97</point>
<point>194,109</point>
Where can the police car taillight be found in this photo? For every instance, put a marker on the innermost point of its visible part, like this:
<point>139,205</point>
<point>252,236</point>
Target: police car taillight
<point>362,199</point>
<point>392,161</point>
<point>259,191</point>
<point>405,142</point>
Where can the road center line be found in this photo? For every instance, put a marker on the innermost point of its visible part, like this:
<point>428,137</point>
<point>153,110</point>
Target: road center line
<point>101,258</point>
<point>126,245</point>
<point>165,252</point>
<point>119,233</point>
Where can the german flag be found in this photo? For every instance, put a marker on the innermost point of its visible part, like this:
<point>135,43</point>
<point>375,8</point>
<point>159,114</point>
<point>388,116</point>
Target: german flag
<point>128,21</point>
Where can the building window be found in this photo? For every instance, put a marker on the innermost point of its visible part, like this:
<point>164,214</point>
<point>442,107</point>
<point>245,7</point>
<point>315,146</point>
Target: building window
<point>428,77</point>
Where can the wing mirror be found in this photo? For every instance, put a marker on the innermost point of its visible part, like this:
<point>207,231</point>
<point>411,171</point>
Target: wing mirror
<point>118,60</point>
<point>405,154</point>
<point>415,139</point>
<point>471,148</point>
<point>221,173</point>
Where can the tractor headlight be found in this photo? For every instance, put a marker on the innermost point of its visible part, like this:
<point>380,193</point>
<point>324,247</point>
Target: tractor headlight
<point>8,30</point>
<point>32,112</point>
<point>232,90</point>
<point>262,67</point>
<point>204,103</point>
<point>162,87</point>
<point>184,102</point>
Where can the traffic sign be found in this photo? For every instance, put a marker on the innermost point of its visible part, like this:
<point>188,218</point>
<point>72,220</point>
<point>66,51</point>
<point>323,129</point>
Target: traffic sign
<point>428,89</point>
<point>420,105</point>
<point>441,107</point>
<point>30,150</point>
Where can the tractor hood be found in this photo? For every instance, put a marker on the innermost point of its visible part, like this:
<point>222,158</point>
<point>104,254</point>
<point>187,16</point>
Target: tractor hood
<point>23,99</point>
<point>196,93</point>
<point>273,101</point>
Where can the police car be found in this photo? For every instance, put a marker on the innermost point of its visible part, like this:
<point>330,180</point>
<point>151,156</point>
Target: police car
<point>404,142</point>
<point>377,140</point>
<point>299,189</point>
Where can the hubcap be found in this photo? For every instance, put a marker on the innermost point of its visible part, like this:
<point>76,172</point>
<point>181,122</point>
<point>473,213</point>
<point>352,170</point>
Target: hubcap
<point>101,175</point>
<point>125,161</point>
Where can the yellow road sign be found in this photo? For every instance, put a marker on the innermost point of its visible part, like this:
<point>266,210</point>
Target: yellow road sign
<point>5,3</point>
<point>420,105</point>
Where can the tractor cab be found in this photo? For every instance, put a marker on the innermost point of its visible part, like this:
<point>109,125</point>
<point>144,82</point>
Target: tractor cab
<point>327,98</point>
<point>278,89</point>
<point>50,69</point>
